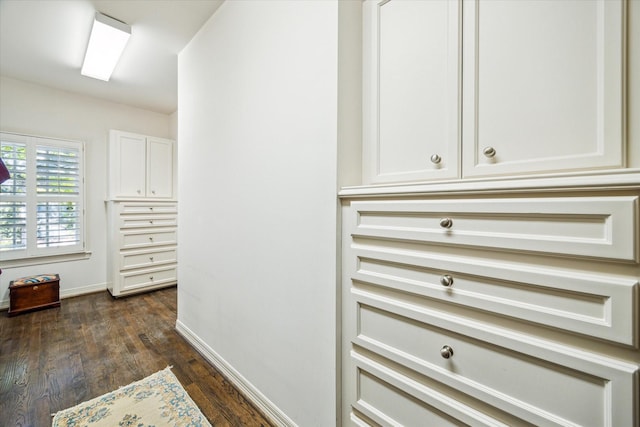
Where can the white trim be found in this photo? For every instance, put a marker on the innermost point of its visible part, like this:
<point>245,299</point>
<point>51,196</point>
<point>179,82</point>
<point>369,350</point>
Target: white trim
<point>623,179</point>
<point>268,408</point>
<point>46,259</point>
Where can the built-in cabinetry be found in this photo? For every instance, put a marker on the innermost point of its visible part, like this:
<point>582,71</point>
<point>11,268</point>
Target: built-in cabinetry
<point>140,166</point>
<point>473,89</point>
<point>142,214</point>
<point>491,260</point>
<point>492,308</point>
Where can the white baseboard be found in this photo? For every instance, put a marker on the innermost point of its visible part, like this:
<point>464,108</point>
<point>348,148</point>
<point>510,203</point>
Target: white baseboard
<point>258,399</point>
<point>67,293</point>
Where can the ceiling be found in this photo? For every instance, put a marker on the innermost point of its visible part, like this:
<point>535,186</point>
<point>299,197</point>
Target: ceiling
<point>44,41</point>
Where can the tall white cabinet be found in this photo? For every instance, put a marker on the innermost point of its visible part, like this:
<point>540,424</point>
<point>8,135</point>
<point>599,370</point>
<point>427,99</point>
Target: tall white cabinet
<point>491,258</point>
<point>142,213</point>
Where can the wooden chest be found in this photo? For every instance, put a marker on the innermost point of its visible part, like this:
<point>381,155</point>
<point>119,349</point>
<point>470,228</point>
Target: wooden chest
<point>33,293</point>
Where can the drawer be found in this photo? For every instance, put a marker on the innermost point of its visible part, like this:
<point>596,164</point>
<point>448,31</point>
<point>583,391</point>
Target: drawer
<point>146,221</point>
<point>141,259</point>
<point>148,208</point>
<point>131,239</point>
<point>597,305</point>
<point>598,227</point>
<point>391,398</point>
<point>492,365</point>
<point>149,278</point>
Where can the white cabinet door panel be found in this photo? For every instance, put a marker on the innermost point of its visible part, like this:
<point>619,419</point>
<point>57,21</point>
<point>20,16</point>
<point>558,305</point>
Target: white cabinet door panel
<point>543,86</point>
<point>127,171</point>
<point>160,168</point>
<point>412,80</point>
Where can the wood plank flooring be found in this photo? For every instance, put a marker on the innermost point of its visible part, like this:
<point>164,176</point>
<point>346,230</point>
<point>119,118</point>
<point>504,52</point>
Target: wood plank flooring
<point>56,358</point>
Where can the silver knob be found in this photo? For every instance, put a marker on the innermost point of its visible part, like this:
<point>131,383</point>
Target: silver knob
<point>139,191</point>
<point>153,191</point>
<point>150,221</point>
<point>446,352</point>
<point>151,238</point>
<point>435,159</point>
<point>446,280</point>
<point>151,278</point>
<point>446,223</point>
<point>489,152</point>
<point>151,258</point>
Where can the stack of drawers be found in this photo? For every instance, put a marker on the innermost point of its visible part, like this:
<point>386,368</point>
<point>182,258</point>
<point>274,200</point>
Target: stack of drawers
<point>142,249</point>
<point>504,310</point>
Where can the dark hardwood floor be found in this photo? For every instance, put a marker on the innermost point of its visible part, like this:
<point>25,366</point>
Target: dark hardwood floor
<point>56,358</point>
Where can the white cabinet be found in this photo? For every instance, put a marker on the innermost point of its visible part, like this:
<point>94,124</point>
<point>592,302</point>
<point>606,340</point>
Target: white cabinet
<point>492,309</point>
<point>465,89</point>
<point>543,86</point>
<point>412,93</point>
<point>142,214</point>
<point>142,246</point>
<point>141,166</point>
<point>496,283</point>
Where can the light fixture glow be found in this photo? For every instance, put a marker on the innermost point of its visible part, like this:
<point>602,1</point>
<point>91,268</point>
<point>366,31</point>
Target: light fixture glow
<point>106,43</point>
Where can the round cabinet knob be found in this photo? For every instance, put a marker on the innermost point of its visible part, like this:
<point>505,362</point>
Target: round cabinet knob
<point>139,191</point>
<point>435,159</point>
<point>446,352</point>
<point>151,258</point>
<point>150,277</point>
<point>446,222</point>
<point>153,191</point>
<point>150,221</point>
<point>446,280</point>
<point>151,238</point>
<point>489,152</point>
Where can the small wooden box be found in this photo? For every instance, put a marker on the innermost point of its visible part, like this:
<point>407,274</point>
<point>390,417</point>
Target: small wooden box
<point>34,293</point>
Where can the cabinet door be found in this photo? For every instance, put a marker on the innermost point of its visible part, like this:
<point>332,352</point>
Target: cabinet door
<point>543,86</point>
<point>159,168</point>
<point>127,169</point>
<point>411,93</point>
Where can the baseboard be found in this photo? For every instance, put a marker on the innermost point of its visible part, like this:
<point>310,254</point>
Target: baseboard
<point>67,293</point>
<point>258,399</point>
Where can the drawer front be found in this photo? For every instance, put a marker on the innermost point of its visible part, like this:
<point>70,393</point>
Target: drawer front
<point>144,239</point>
<point>145,259</point>
<point>593,305</point>
<point>490,365</point>
<point>148,208</point>
<point>598,227</point>
<point>149,278</point>
<point>146,221</point>
<point>390,398</point>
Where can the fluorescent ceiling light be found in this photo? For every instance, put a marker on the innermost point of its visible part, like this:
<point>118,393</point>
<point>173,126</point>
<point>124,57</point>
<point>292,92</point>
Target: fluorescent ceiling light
<point>106,43</point>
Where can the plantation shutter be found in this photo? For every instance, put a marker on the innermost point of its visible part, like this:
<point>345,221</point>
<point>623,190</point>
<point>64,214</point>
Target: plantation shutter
<point>13,205</point>
<point>42,204</point>
<point>57,175</point>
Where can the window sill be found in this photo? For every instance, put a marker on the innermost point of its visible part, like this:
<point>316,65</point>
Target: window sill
<point>49,259</point>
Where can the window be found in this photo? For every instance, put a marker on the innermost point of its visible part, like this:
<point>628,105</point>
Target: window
<point>42,204</point>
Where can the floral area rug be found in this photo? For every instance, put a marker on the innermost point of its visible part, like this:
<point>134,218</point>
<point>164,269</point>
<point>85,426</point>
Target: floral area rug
<point>156,401</point>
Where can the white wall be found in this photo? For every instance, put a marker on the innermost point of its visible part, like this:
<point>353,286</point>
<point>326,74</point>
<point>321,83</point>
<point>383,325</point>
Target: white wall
<point>257,182</point>
<point>39,110</point>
